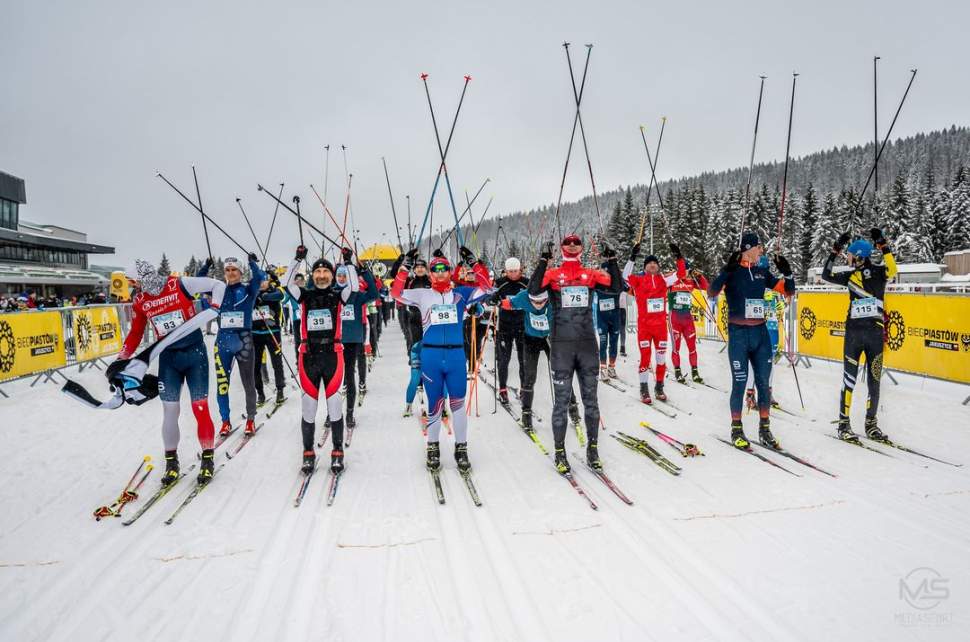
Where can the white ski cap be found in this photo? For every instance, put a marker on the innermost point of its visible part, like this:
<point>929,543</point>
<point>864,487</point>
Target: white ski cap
<point>512,263</point>
<point>232,262</point>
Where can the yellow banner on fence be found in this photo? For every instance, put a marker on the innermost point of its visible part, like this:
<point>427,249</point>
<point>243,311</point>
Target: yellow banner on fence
<point>97,332</point>
<point>926,334</point>
<point>30,342</point>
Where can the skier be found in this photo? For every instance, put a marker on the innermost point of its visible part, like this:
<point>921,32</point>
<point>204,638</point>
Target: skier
<point>609,326</point>
<point>266,336</point>
<point>321,358</point>
<point>537,320</point>
<point>442,358</point>
<point>573,336</point>
<point>410,316</point>
<point>681,322</point>
<point>511,324</point>
<point>352,334</point>
<point>234,342</point>
<point>748,340</point>
<point>774,312</point>
<point>865,323</point>
<point>622,307</point>
<point>168,303</point>
<point>649,289</point>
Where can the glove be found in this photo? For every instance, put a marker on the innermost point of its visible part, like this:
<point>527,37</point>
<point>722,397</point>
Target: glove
<point>347,255</point>
<point>841,242</point>
<point>634,252</point>
<point>407,260</point>
<point>546,252</point>
<point>733,262</point>
<point>437,253</point>
<point>877,237</point>
<point>208,264</point>
<point>301,252</point>
<point>675,251</point>
<point>253,258</point>
<point>466,255</point>
<point>396,266</point>
<point>696,274</point>
<point>608,252</point>
<point>783,266</point>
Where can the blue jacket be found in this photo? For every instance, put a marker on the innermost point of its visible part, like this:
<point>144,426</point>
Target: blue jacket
<point>746,286</point>
<point>537,321</point>
<point>236,311</point>
<point>351,318</point>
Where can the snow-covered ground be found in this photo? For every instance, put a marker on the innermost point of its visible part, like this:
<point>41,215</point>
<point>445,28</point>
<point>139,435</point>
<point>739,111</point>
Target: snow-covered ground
<point>731,549</point>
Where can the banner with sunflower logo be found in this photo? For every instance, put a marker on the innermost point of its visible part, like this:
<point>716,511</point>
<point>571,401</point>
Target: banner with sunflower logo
<point>97,332</point>
<point>30,342</point>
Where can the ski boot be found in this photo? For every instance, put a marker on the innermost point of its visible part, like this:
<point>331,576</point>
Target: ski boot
<point>434,456</point>
<point>749,399</point>
<point>250,427</point>
<point>737,436</point>
<point>679,376</point>
<point>771,396</point>
<point>527,418</point>
<point>349,420</point>
<point>503,396</point>
<point>845,431</point>
<point>574,412</point>
<point>611,371</point>
<point>336,461</point>
<point>765,437</point>
<point>362,390</point>
<point>658,392</point>
<point>593,456</point>
<point>562,464</point>
<point>604,375</point>
<point>407,410</point>
<point>309,462</point>
<point>207,467</point>
<point>279,396</point>
<point>260,399</point>
<point>645,393</point>
<point>226,429</point>
<point>461,457</point>
<point>623,351</point>
<point>695,375</point>
<point>171,474</point>
<point>873,432</point>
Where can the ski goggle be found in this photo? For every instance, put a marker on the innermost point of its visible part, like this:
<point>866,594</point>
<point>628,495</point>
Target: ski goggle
<point>440,268</point>
<point>572,242</point>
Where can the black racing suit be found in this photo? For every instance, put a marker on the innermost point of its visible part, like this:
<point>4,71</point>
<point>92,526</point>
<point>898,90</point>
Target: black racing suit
<point>511,329</point>
<point>266,336</point>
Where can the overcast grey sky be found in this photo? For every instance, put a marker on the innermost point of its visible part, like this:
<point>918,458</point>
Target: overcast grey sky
<point>99,95</point>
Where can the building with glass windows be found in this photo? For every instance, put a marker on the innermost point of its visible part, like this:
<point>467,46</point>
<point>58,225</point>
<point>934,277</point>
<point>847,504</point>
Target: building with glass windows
<point>41,258</point>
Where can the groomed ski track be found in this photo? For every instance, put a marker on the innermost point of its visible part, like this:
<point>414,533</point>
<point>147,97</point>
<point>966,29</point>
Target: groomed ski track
<point>733,549</point>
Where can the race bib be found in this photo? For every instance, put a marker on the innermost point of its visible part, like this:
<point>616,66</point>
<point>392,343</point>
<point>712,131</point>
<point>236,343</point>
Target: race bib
<point>262,313</point>
<point>682,299</point>
<point>607,304</point>
<point>865,308</point>
<point>575,296</point>
<point>348,313</point>
<point>444,313</point>
<point>165,323</point>
<point>231,319</point>
<point>754,308</point>
<point>318,320</point>
<point>655,305</point>
<point>539,322</point>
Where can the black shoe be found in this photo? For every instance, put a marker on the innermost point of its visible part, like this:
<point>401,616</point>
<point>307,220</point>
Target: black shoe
<point>737,436</point>
<point>260,399</point>
<point>645,393</point>
<point>461,457</point>
<point>562,464</point>
<point>658,392</point>
<point>279,396</point>
<point>873,432</point>
<point>679,376</point>
<point>574,413</point>
<point>171,474</point>
<point>593,457</point>
<point>845,432</point>
<point>765,436</point>
<point>349,420</point>
<point>527,418</point>
<point>434,456</point>
<point>503,397</point>
<point>309,462</point>
<point>207,466</point>
<point>622,352</point>
<point>696,376</point>
<point>336,461</point>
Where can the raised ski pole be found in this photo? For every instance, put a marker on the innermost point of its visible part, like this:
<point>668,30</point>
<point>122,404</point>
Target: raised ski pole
<point>466,211</point>
<point>784,178</point>
<point>295,213</point>
<point>330,214</point>
<point>653,161</point>
<point>199,210</point>
<point>198,195</point>
<point>582,133</point>
<point>251,231</point>
<point>273,222</point>
<point>397,228</point>
<point>754,143</point>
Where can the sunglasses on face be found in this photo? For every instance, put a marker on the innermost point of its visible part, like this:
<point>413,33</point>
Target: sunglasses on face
<point>573,243</point>
<point>440,268</point>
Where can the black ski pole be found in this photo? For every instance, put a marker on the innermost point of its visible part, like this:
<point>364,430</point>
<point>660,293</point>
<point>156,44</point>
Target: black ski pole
<point>204,215</point>
<point>253,232</point>
<point>273,223</point>
<point>784,178</point>
<point>754,143</point>
<point>397,228</point>
<point>875,121</point>
<point>572,137</point>
<point>582,133</point>
<point>295,213</point>
<point>199,196</point>
<point>299,218</point>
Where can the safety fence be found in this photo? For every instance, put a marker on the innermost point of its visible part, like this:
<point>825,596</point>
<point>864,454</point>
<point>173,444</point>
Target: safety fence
<point>40,343</point>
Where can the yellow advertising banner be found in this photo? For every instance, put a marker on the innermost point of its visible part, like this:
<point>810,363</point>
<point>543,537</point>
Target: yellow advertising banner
<point>30,342</point>
<point>926,333</point>
<point>119,286</point>
<point>97,332</point>
<point>698,305</point>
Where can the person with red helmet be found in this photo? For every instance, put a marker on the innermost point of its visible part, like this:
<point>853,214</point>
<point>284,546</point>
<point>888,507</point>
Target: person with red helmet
<point>649,289</point>
<point>680,299</point>
<point>573,336</point>
<point>442,308</point>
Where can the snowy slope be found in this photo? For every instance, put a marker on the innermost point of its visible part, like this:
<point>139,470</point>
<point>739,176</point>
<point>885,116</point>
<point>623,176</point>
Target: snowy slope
<point>732,549</point>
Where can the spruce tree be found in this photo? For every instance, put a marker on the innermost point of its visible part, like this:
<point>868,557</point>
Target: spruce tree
<point>164,269</point>
<point>810,215</point>
<point>958,212</point>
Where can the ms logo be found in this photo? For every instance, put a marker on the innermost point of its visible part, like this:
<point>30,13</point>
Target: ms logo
<point>8,349</point>
<point>807,323</point>
<point>895,330</point>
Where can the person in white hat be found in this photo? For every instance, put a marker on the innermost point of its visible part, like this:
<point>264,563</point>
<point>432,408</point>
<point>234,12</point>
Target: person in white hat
<point>511,324</point>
